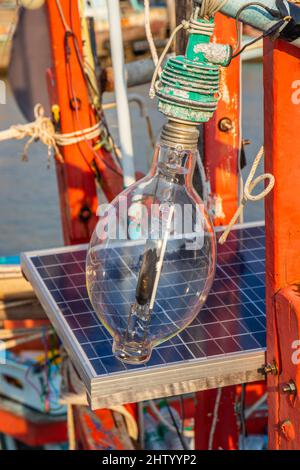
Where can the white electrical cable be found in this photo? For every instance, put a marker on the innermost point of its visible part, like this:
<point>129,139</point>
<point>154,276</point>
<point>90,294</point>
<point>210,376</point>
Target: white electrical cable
<point>123,112</point>
<point>205,182</point>
<point>215,419</point>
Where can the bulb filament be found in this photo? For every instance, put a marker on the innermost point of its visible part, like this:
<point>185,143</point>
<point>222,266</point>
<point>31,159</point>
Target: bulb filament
<point>152,264</point>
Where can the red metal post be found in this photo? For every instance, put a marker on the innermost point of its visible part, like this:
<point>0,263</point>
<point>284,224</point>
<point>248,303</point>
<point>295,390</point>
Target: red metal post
<point>221,153</point>
<point>282,144</point>
<point>76,176</point>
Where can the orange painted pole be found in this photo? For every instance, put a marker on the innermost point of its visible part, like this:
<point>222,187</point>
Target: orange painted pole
<point>282,144</point>
<point>221,153</point>
<point>222,133</point>
<point>69,90</point>
<point>82,162</point>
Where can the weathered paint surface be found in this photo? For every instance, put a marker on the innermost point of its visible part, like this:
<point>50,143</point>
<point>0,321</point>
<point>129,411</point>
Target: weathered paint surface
<point>189,84</point>
<point>284,430</point>
<point>221,151</point>
<point>282,144</point>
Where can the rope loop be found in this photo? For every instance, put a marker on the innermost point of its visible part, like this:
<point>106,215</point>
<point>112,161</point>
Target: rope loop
<point>250,185</point>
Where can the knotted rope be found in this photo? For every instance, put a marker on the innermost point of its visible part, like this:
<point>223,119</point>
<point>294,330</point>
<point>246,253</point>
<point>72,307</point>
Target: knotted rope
<point>43,130</point>
<point>248,196</point>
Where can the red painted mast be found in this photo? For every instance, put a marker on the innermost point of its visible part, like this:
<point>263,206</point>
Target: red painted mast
<point>69,90</point>
<point>221,154</point>
<point>282,115</point>
<point>87,160</point>
<point>222,133</point>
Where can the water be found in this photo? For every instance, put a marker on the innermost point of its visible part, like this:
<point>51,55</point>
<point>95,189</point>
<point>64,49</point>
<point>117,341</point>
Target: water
<point>29,210</point>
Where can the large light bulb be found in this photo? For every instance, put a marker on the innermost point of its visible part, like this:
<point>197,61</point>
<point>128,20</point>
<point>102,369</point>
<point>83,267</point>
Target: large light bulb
<point>151,259</point>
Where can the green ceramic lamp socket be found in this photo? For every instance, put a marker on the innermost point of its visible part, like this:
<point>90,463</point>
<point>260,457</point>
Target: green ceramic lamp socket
<point>188,87</point>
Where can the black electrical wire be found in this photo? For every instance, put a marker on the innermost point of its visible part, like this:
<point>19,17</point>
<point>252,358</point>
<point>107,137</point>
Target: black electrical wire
<point>89,84</point>
<point>72,96</point>
<point>269,32</point>
<point>262,36</point>
<point>271,11</point>
<point>180,435</point>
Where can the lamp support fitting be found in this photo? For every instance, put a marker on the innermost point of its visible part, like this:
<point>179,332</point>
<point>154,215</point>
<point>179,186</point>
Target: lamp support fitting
<point>188,87</point>
<point>176,134</point>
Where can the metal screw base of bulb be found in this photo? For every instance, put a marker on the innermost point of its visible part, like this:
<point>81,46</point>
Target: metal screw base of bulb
<point>175,134</point>
<point>132,352</point>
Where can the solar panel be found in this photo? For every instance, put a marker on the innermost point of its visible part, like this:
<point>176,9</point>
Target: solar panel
<point>224,345</point>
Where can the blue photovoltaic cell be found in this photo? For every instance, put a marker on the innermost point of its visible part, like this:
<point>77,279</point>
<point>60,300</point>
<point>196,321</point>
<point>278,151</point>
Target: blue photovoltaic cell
<point>232,321</point>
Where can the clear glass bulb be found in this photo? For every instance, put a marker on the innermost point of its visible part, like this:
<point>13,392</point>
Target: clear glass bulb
<point>151,260</point>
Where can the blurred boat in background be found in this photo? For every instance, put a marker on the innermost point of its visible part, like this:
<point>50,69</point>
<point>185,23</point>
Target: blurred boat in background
<point>135,43</point>
<point>134,38</point>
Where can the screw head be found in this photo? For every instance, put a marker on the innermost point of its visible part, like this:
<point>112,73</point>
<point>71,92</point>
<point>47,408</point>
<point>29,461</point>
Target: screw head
<point>289,388</point>
<point>270,368</point>
<point>225,125</point>
<point>287,429</point>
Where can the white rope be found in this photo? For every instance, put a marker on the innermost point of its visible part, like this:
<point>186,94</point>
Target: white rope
<point>90,133</point>
<point>215,419</point>
<point>149,34</point>
<point>63,18</point>
<point>248,196</point>
<point>42,129</point>
<point>185,24</point>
